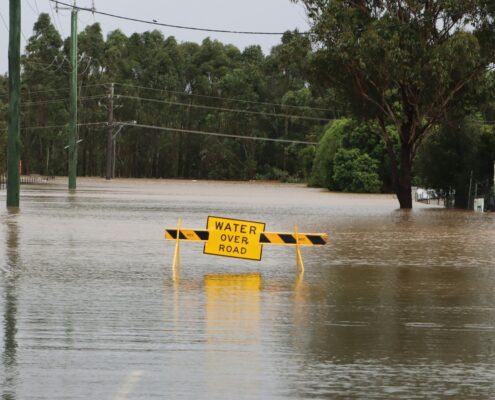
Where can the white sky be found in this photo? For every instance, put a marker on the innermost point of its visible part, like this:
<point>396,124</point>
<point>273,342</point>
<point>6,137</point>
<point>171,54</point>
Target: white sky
<point>241,15</point>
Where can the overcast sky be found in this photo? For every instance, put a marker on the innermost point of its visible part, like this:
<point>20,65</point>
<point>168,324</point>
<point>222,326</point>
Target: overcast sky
<point>241,15</point>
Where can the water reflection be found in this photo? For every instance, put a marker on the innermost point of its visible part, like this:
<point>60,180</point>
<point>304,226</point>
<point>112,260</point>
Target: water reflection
<point>9,356</point>
<point>232,330</point>
<point>232,308</point>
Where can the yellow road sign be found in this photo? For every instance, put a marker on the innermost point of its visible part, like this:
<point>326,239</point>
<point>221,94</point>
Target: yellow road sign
<point>234,238</point>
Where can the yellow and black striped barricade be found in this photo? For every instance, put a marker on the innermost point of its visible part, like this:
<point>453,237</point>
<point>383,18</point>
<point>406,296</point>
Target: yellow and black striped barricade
<point>237,238</point>
<point>281,238</point>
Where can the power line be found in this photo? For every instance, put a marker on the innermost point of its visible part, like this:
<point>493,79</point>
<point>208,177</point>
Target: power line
<point>57,90</point>
<point>67,89</point>
<point>56,20</point>
<point>36,4</point>
<point>225,109</point>
<point>61,100</point>
<point>61,126</point>
<point>226,98</point>
<point>31,7</point>
<point>160,128</point>
<point>48,66</point>
<point>7,27</point>
<point>4,22</point>
<point>154,22</point>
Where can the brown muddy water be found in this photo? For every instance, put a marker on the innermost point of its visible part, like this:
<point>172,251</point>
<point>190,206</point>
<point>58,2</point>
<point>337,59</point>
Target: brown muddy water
<point>399,305</point>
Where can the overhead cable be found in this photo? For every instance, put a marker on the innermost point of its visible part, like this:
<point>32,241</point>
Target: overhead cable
<point>7,27</point>
<point>4,94</point>
<point>4,22</point>
<point>224,109</point>
<point>62,126</point>
<point>225,135</point>
<point>61,100</point>
<point>155,22</point>
<point>56,20</point>
<point>32,8</point>
<point>225,98</point>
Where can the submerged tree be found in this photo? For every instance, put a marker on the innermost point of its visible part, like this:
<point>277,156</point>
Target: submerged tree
<point>461,151</point>
<point>403,64</point>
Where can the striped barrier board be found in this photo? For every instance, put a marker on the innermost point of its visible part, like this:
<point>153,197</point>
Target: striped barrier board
<point>280,238</point>
<point>238,238</point>
<point>194,235</point>
<point>304,239</point>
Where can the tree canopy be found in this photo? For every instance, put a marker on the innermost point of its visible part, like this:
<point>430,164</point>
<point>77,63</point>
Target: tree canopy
<point>207,87</point>
<point>403,64</point>
<point>374,84</point>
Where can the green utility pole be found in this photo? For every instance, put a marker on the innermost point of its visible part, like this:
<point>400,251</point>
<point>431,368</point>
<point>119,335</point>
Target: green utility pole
<point>108,174</point>
<point>14,138</point>
<point>73,102</point>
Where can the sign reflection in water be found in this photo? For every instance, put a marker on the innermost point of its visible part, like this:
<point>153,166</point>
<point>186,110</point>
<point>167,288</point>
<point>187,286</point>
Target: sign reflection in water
<point>232,330</point>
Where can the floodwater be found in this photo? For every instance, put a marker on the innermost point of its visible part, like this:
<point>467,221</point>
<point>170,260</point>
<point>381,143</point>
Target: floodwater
<point>398,305</point>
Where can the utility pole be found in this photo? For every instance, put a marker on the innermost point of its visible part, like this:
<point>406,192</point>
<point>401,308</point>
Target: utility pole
<point>120,126</point>
<point>14,135</point>
<point>73,102</point>
<point>109,168</point>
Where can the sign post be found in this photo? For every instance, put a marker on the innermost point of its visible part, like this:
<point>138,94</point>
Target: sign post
<point>176,262</point>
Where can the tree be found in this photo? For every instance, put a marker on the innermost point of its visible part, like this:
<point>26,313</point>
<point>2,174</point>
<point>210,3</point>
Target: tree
<point>461,150</point>
<point>402,63</point>
<point>361,152</point>
<point>44,88</point>
<point>209,87</point>
<point>328,146</point>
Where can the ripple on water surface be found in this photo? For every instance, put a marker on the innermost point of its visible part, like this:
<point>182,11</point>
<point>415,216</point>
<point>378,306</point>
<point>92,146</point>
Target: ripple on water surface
<point>398,305</point>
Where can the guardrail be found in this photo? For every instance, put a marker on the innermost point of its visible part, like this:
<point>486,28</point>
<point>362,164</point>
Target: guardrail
<point>27,180</point>
<point>35,179</point>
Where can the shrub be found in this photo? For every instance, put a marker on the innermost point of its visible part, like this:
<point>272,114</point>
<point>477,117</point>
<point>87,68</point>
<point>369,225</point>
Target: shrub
<point>354,171</point>
<point>322,173</point>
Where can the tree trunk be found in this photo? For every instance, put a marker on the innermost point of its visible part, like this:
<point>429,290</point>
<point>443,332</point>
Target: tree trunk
<point>401,174</point>
<point>403,187</point>
<point>461,197</point>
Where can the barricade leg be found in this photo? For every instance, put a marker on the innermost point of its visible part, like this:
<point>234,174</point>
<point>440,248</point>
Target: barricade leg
<point>299,260</point>
<point>176,261</point>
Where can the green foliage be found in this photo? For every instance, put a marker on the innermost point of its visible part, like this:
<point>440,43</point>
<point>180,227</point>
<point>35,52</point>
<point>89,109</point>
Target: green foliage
<point>355,172</point>
<point>346,134</point>
<point>196,86</point>
<point>193,87</point>
<point>44,75</point>
<point>460,147</point>
<point>331,141</point>
<point>402,64</point>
